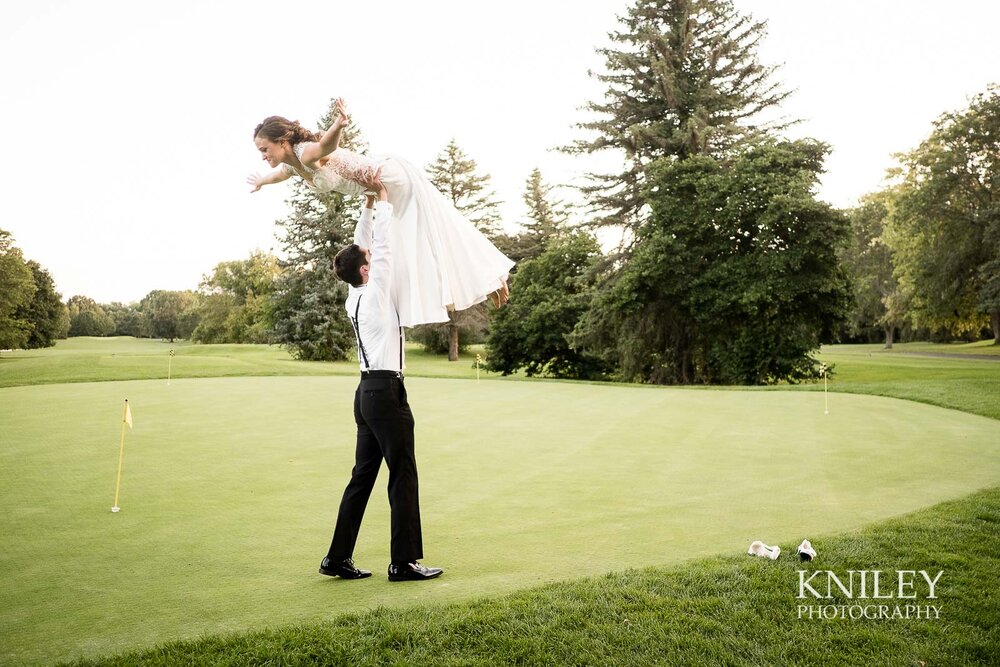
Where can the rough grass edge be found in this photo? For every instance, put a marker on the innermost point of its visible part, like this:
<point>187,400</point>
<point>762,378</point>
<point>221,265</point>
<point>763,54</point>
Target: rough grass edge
<point>732,609</point>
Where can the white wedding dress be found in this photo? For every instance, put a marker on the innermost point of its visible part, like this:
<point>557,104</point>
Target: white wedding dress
<point>441,261</point>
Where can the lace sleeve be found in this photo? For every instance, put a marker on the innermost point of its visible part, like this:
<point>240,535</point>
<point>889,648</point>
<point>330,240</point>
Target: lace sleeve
<point>342,172</point>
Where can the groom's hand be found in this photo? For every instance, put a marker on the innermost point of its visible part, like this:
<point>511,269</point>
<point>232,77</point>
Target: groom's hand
<point>371,179</point>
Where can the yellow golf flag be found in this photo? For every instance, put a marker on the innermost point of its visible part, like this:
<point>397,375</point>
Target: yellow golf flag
<point>126,419</point>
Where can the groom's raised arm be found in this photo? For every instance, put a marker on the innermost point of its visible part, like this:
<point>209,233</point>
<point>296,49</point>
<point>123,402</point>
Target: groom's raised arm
<point>380,266</point>
<point>363,232</point>
<point>365,227</point>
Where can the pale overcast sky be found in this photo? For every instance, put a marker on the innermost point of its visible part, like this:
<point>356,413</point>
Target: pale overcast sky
<point>129,123</point>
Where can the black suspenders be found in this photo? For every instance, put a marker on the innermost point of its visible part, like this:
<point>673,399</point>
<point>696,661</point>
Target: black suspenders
<point>361,346</point>
<point>357,333</point>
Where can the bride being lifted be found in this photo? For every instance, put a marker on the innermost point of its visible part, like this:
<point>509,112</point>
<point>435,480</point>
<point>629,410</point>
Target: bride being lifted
<point>442,261</point>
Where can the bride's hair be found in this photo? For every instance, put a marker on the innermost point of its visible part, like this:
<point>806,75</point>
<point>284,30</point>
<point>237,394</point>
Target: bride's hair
<point>276,128</point>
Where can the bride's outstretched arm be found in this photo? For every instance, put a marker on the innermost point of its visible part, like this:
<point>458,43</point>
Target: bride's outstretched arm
<point>330,139</point>
<point>276,176</point>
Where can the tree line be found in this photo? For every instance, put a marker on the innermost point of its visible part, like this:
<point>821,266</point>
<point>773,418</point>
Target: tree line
<point>32,314</point>
<point>924,253</point>
<point>729,269</point>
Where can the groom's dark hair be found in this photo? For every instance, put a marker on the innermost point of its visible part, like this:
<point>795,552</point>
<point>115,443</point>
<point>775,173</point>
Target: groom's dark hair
<point>347,264</point>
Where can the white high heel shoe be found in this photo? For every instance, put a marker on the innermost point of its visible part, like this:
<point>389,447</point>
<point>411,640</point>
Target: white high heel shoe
<point>761,550</point>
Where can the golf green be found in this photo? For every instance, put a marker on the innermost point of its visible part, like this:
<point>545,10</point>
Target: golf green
<point>230,488</point>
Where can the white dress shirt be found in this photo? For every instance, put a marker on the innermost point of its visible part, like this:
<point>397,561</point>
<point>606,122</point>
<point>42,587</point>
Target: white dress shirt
<point>377,319</point>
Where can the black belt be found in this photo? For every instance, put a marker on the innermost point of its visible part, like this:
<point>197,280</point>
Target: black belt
<point>368,375</point>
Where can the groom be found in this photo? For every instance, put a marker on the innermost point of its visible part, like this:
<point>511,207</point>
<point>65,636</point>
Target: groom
<point>381,412</point>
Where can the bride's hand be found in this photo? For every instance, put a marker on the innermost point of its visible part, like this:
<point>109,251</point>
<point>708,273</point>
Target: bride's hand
<point>256,180</point>
<point>344,118</point>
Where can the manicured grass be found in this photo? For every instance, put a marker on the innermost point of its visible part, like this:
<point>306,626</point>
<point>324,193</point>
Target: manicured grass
<point>971,385</point>
<point>979,348</point>
<point>726,610</point>
<point>112,359</point>
<point>231,486</point>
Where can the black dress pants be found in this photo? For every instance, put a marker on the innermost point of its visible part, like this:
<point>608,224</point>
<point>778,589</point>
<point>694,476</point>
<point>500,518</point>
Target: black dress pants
<point>385,431</point>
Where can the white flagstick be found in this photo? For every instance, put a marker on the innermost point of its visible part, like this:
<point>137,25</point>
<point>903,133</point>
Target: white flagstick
<point>826,403</point>
<point>170,362</point>
<point>126,419</point>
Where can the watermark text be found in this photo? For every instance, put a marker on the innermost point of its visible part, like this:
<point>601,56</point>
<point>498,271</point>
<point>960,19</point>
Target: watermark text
<point>899,594</point>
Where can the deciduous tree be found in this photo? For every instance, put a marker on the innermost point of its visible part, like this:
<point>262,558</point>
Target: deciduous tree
<point>946,224</point>
<point>46,312</point>
<point>235,301</point>
<point>553,291</point>
<point>88,318</point>
<point>128,319</point>
<point>734,278</point>
<point>17,287</point>
<point>172,314</point>
<point>867,258</point>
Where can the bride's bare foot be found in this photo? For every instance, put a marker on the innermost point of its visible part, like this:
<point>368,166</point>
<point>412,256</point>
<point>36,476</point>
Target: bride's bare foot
<point>500,296</point>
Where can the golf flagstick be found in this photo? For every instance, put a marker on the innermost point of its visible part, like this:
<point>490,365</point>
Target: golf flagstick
<point>826,402</point>
<point>126,419</point>
<point>170,363</point>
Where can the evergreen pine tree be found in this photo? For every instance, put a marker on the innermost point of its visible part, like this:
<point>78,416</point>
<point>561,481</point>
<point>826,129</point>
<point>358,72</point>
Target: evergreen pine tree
<point>683,79</point>
<point>307,306</point>
<point>547,217</point>
<point>455,174</point>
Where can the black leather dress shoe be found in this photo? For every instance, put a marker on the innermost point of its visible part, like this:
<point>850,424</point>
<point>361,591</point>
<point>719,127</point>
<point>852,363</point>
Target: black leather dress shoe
<point>345,569</point>
<point>413,572</point>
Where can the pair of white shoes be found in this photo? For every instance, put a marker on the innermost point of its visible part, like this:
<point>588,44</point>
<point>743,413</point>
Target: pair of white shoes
<point>761,550</point>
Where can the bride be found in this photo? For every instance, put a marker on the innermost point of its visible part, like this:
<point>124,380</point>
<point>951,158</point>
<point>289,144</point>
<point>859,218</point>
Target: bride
<point>442,260</point>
